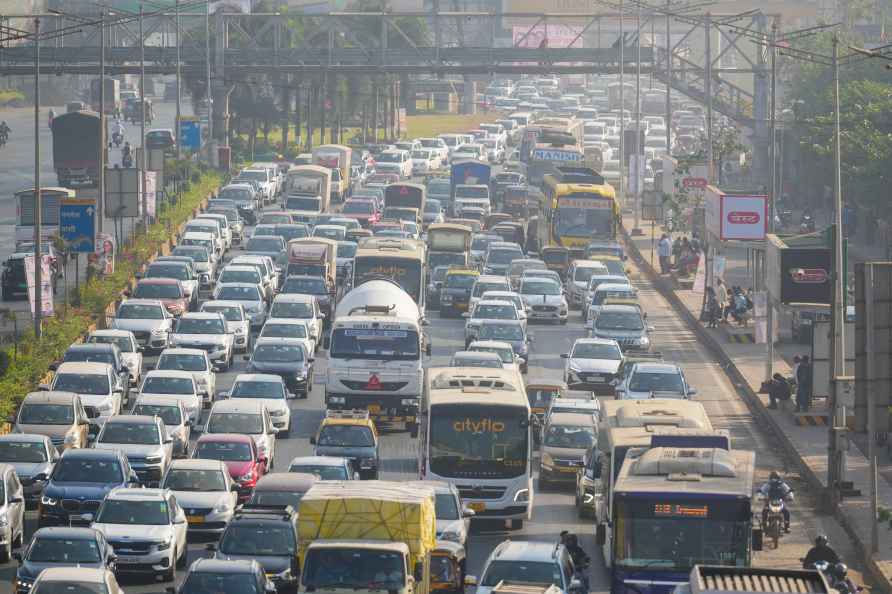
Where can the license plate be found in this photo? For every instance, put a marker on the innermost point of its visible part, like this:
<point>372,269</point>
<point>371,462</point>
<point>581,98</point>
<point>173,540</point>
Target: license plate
<point>195,519</point>
<point>126,561</point>
<point>477,506</point>
<point>374,409</point>
<point>567,470</point>
<point>596,378</point>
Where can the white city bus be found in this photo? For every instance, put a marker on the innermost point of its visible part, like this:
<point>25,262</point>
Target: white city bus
<point>475,433</point>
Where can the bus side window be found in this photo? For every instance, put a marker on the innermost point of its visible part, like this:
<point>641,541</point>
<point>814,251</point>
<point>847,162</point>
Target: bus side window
<point>593,464</point>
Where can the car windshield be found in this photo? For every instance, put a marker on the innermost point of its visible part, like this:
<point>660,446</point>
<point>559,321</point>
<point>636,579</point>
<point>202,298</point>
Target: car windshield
<point>125,344</point>
<point>324,472</point>
<point>201,326</point>
<point>172,270</point>
<point>460,281</point>
<point>258,539</point>
<point>159,384</point>
<point>302,203</point>
<point>85,470</point>
<point>157,291</point>
<point>387,157</point>
<point>359,569</point>
<point>618,320</point>
<point>236,293</point>
<point>502,257</point>
<point>509,332</point>
<point>89,356</point>
<point>359,207</point>
<point>471,361</point>
<point>232,313</point>
<point>245,423</point>
<point>226,451</point>
<point>588,350</point>
<point>177,362</point>
<point>205,582</point>
<point>346,249</point>
<point>446,507</point>
<point>278,353</point>
<point>584,273</point>
<point>275,498</point>
<point>601,296</point>
<point>258,389</point>
<point>421,155</point>
<point>134,311</point>
<point>266,243</point>
<point>483,286</point>
<point>438,187</point>
<point>506,354</point>
<point>656,382</point>
<point>540,287</point>
<point>239,276</point>
<point>124,511</point>
<point>335,233</point>
<point>306,286</point>
<point>291,309</point>
<point>273,330</point>
<point>130,433</point>
<point>478,244</point>
<point>168,413</point>
<point>195,479</point>
<point>570,436</point>
<point>524,571</point>
<point>346,436</point>
<point>432,206</point>
<point>32,452</point>
<point>67,551</point>
<point>46,414</point>
<point>82,383</point>
<point>495,312</point>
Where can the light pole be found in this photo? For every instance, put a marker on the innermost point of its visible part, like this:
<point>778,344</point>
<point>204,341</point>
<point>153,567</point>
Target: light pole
<point>179,81</point>
<point>639,169</point>
<point>142,124</point>
<point>38,201</point>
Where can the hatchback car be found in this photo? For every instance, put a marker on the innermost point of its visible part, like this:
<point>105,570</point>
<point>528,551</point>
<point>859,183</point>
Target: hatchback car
<point>175,384</point>
<point>485,311</point>
<point>32,457</point>
<point>240,455</point>
<point>206,331</point>
<point>486,283</point>
<point>455,294</point>
<point>169,291</point>
<point>95,383</point>
<point>173,414</point>
<point>196,362</point>
<point>299,307</point>
<point>291,360</point>
<point>592,363</point>
<point>206,492</point>
<point>61,547</point>
<point>281,489</point>
<point>237,322</point>
<point>101,353</point>
<point>327,468</point>
<point>76,579</point>
<point>249,295</point>
<point>268,389</point>
<point>510,331</point>
<point>226,577</point>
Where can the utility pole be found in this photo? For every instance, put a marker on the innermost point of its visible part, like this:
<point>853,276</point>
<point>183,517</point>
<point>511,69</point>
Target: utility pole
<point>639,170</point>
<point>707,23</point>
<point>622,102</point>
<point>38,201</point>
<point>142,124</point>
<point>669,51</point>
<point>207,50</point>
<point>103,142</point>
<point>869,322</point>
<point>179,82</point>
<point>772,123</point>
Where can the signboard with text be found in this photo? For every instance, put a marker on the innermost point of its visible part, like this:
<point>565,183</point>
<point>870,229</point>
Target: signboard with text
<point>77,224</point>
<point>739,217</point>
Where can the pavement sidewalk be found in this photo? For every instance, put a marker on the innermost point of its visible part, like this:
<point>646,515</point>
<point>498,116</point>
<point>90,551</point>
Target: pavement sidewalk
<point>807,445</point>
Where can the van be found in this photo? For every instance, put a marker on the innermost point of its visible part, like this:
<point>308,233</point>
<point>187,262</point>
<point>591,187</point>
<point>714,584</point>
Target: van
<point>59,415</point>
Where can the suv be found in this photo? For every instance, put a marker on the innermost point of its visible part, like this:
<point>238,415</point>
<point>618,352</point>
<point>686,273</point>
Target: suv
<point>327,468</point>
<point>178,384</point>
<point>60,415</point>
<point>625,324</point>
<point>131,352</point>
<point>485,310</point>
<point>174,416</point>
<point>565,440</point>
<point>455,294</point>
<point>32,457</point>
<point>268,389</point>
<point>149,321</point>
<point>295,306</point>
<point>143,439</point>
<point>268,536</point>
<point>206,331</point>
<point>289,358</point>
<point>102,353</point>
<point>61,547</point>
<point>95,383</point>
<point>350,434</point>
<point>196,362</point>
<point>237,321</point>
<point>147,530</point>
<point>527,562</point>
<point>80,481</point>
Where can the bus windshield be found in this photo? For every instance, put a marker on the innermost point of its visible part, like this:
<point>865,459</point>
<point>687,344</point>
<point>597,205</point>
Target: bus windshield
<point>479,441</point>
<point>705,531</point>
<point>593,219</point>
<point>369,343</point>
<point>405,272</point>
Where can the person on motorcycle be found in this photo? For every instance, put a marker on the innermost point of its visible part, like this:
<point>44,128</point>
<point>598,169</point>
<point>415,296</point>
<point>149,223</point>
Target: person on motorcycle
<point>773,490</point>
<point>117,132</point>
<point>841,581</point>
<point>4,131</point>
<point>822,551</point>
<point>127,156</point>
<point>580,558</point>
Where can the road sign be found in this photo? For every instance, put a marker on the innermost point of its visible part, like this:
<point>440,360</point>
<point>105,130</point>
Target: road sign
<point>190,134</point>
<point>694,182</point>
<point>77,217</point>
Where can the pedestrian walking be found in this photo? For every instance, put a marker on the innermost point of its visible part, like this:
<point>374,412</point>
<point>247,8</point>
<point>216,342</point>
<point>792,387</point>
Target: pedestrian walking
<point>664,251</point>
<point>722,296</point>
<point>713,309</point>
<point>778,390</point>
<point>803,385</point>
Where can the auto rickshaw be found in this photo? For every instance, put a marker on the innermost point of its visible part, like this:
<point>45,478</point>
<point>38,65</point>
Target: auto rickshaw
<point>514,201</point>
<point>448,567</point>
<point>557,258</point>
<point>540,395</point>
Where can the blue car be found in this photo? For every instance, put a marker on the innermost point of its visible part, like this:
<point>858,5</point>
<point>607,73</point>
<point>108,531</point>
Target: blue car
<point>79,483</point>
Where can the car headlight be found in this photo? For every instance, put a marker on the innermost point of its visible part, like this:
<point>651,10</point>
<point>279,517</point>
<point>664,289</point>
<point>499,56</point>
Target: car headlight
<point>522,496</point>
<point>240,330</point>
<point>4,521</point>
<point>279,412</point>
<point>154,459</point>
<point>337,399</point>
<point>247,476</point>
<point>446,298</point>
<point>71,439</point>
<point>222,507</point>
<point>164,544</point>
<point>452,535</point>
<point>48,501</point>
<point>547,460</point>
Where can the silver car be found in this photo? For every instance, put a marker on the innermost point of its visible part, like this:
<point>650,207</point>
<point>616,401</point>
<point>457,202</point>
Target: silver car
<point>174,415</point>
<point>131,352</point>
<point>205,491</point>
<point>485,311</point>
<point>250,296</point>
<point>12,511</point>
<point>544,299</point>
<point>654,380</point>
<point>196,362</point>
<point>145,442</point>
<point>625,324</point>
<point>149,321</point>
<point>33,457</point>
<point>206,331</point>
<point>237,322</point>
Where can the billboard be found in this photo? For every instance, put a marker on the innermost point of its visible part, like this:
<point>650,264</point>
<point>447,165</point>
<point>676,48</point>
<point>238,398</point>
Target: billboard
<point>806,275</point>
<point>740,217</point>
<point>554,35</point>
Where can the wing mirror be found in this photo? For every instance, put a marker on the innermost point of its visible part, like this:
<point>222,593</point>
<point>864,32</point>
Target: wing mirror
<point>312,440</point>
<point>467,512</point>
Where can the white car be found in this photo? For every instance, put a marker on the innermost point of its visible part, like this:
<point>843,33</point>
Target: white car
<point>143,439</point>
<point>206,492</point>
<point>295,306</point>
<point>148,320</point>
<point>510,296</point>
<point>596,281</point>
<point>12,510</point>
<point>237,322</point>
<point>503,349</point>
<point>544,299</point>
<point>483,311</point>
<point>250,295</point>
<point>268,390</point>
<point>266,266</point>
<point>476,152</point>
<point>178,384</point>
<point>196,362</point>
<point>176,419</point>
<point>424,161</point>
<point>394,161</point>
<point>95,383</point>
<point>437,145</point>
<point>131,352</point>
<point>289,328</point>
<point>602,294</point>
<point>654,379</point>
<point>146,528</point>
<point>211,227</point>
<point>592,364</point>
<point>222,225</point>
<point>577,280</point>
<point>207,331</point>
<point>246,416</point>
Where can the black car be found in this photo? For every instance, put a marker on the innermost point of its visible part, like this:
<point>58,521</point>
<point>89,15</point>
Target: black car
<point>225,577</point>
<point>267,535</point>
<point>290,358</point>
<point>15,285</point>
<point>61,547</point>
<point>97,352</point>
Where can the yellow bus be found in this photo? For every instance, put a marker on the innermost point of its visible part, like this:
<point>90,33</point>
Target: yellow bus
<point>580,207</point>
<point>399,260</point>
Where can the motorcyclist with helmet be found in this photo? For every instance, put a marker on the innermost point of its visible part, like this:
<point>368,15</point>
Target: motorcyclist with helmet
<point>777,489</point>
<point>841,581</point>
<point>821,552</point>
<point>580,558</point>
<point>127,156</point>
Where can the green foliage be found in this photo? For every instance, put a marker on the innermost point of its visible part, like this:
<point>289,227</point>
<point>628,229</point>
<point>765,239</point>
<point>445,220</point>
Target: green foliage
<point>33,357</point>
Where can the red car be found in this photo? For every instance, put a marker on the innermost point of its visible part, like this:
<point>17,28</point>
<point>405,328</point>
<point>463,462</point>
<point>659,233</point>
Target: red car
<point>240,455</point>
<point>363,210</point>
<point>169,291</point>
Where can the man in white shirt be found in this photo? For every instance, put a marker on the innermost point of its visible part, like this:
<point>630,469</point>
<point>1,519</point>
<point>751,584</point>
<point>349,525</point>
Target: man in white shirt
<point>664,251</point>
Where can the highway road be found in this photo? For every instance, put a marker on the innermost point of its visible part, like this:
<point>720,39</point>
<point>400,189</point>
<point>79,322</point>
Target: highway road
<point>554,510</point>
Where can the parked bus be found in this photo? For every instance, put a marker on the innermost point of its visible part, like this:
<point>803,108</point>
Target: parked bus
<point>475,433</point>
<point>400,260</point>
<point>580,207</point>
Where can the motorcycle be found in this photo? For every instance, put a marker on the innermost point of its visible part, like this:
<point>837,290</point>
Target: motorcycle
<point>807,223</point>
<point>774,525</point>
<point>841,583</point>
<point>127,161</point>
<point>117,139</point>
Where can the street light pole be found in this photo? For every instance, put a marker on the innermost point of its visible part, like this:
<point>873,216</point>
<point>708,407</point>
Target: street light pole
<point>668,79</point>
<point>622,102</point>
<point>100,216</point>
<point>772,159</point>
<point>179,81</point>
<point>707,24</point>
<point>142,125</point>
<point>38,201</point>
<point>639,170</point>
<point>207,49</point>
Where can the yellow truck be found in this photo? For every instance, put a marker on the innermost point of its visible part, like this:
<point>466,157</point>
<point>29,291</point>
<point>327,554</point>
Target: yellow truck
<point>366,536</point>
